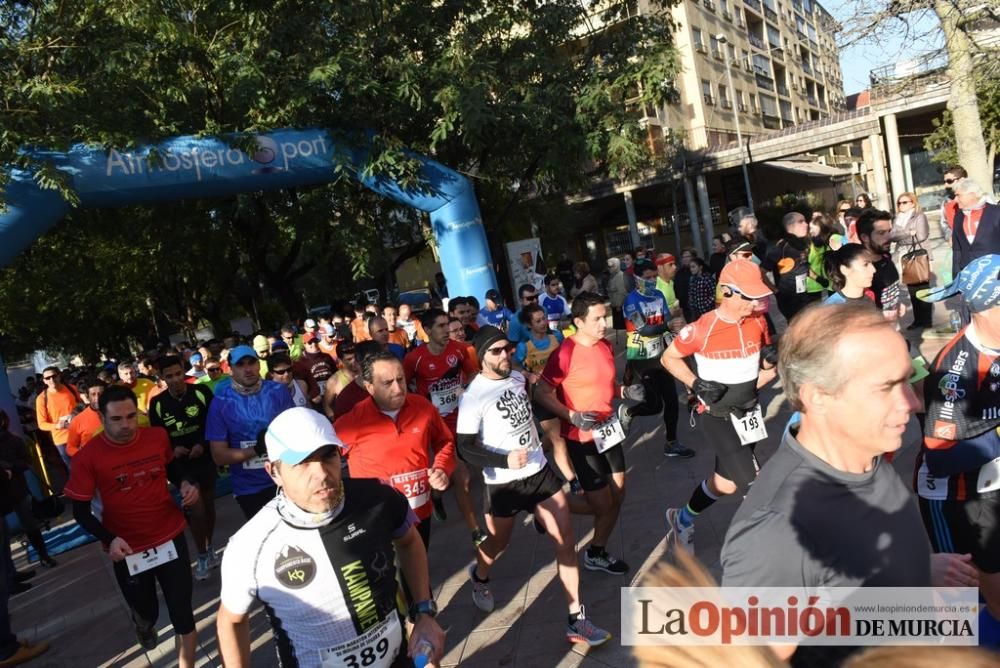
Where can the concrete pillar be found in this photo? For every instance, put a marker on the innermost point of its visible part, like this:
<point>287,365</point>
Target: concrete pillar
<point>897,177</point>
<point>693,217</point>
<point>878,169</point>
<point>706,213</point>
<point>633,222</point>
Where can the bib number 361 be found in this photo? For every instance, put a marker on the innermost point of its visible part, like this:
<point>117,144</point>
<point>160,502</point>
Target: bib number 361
<point>750,428</point>
<point>608,434</point>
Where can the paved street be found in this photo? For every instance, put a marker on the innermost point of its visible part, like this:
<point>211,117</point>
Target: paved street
<point>77,607</point>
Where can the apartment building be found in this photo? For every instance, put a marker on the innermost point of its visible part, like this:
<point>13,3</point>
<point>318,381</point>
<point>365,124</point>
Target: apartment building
<point>784,63</point>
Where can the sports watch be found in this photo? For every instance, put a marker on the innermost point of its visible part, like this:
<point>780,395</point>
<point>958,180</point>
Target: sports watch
<point>428,607</point>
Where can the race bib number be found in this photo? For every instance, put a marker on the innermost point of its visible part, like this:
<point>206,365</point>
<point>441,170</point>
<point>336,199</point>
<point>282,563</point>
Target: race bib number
<point>800,283</point>
<point>653,347</point>
<point>151,558</point>
<point>608,434</point>
<point>375,648</point>
<point>989,477</point>
<point>415,486</point>
<point>750,428</point>
<point>255,463</point>
<point>445,401</point>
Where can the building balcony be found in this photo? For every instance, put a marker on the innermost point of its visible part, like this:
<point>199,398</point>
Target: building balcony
<point>777,53</point>
<point>813,102</point>
<point>767,83</point>
<point>771,122</point>
<point>771,14</point>
<point>782,89</point>
<point>807,68</point>
<point>753,4</point>
<point>756,41</point>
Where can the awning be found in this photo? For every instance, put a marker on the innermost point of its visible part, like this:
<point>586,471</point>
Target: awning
<point>808,168</point>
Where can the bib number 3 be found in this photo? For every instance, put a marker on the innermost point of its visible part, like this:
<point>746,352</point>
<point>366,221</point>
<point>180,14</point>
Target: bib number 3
<point>376,648</point>
<point>608,434</point>
<point>750,428</point>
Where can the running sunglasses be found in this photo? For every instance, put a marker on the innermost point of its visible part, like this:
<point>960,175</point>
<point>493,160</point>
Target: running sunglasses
<point>950,181</point>
<point>496,350</point>
<point>843,210</point>
<point>742,296</point>
<point>53,377</point>
<point>530,298</point>
<point>281,372</point>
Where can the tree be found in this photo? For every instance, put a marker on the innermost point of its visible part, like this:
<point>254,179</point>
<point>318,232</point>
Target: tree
<point>958,22</point>
<point>526,97</point>
<point>941,143</point>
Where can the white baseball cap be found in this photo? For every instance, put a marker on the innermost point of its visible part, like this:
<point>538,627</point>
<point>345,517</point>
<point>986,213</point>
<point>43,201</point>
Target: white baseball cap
<point>297,433</point>
<point>310,323</point>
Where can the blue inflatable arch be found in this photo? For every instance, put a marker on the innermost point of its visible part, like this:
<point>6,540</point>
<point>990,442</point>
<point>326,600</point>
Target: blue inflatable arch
<point>191,167</point>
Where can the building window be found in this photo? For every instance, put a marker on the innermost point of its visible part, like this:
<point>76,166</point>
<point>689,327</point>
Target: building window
<point>773,37</point>
<point>732,53</point>
<point>706,91</point>
<point>724,97</point>
<point>716,47</point>
<point>696,39</point>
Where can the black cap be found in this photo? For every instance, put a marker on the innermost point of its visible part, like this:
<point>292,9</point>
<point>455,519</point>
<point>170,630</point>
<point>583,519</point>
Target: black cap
<point>486,337</point>
<point>493,295</point>
<point>643,265</point>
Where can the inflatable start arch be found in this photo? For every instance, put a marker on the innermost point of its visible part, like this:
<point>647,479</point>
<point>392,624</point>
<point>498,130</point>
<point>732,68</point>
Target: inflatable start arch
<point>191,167</point>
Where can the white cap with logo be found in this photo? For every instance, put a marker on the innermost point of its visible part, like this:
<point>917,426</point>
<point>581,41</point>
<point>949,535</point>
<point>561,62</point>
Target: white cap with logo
<point>297,433</point>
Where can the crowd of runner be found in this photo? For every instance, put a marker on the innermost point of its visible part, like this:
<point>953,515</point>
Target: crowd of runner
<point>342,435</point>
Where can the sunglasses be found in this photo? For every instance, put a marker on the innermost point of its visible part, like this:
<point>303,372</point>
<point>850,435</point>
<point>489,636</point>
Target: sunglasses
<point>742,296</point>
<point>213,369</point>
<point>287,338</point>
<point>49,377</point>
<point>843,210</point>
<point>530,298</point>
<point>950,181</point>
<point>903,201</point>
<point>281,372</point>
<point>496,350</point>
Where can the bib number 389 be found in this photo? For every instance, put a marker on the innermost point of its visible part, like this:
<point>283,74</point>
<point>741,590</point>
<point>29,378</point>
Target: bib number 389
<point>375,648</point>
<point>750,428</point>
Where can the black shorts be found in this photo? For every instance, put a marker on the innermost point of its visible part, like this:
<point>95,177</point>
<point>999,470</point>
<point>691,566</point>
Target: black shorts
<point>202,470</point>
<point>593,468</point>
<point>733,461</point>
<point>509,498</point>
<point>966,527</point>
<point>542,413</point>
<point>175,583</point>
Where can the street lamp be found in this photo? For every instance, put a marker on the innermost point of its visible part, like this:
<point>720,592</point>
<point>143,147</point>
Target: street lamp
<point>736,116</point>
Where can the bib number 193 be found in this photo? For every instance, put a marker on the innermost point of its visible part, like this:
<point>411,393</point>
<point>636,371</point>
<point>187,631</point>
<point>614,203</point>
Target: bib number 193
<point>750,428</point>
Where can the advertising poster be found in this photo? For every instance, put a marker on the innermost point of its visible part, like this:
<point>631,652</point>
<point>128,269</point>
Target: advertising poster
<point>524,258</point>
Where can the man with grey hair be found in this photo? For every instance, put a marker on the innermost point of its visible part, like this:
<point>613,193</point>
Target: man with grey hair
<point>976,228</point>
<point>827,501</point>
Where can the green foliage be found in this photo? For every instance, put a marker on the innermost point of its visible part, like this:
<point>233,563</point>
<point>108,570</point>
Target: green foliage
<point>519,95</point>
<point>941,142</point>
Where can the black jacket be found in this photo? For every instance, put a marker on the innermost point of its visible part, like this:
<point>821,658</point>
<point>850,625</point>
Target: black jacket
<point>986,241</point>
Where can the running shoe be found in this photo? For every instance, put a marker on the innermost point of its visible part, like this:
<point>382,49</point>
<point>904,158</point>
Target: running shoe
<point>604,562</point>
<point>624,417</point>
<point>479,537</point>
<point>481,594</point>
<point>675,449</point>
<point>584,631</point>
<point>214,560</point>
<point>201,569</point>
<point>147,637</point>
<point>678,534</point>
<point>49,562</point>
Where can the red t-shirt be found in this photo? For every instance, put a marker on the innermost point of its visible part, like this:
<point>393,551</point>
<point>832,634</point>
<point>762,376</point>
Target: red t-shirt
<point>440,377</point>
<point>349,397</point>
<point>132,482</point>
<point>398,451</point>
<point>585,380</point>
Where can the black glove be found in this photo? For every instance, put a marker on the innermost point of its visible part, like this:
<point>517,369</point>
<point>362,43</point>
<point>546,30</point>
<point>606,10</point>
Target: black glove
<point>709,391</point>
<point>769,354</point>
<point>636,392</point>
<point>584,421</point>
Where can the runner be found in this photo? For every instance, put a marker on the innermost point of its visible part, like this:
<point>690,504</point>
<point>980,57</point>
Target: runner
<point>875,232</point>
<point>54,408</point>
<point>345,376</point>
<point>281,372</point>
<point>496,410</point>
<point>355,392</point>
<point>392,435</point>
<point>579,386</point>
<point>647,315</point>
<point>528,296</point>
<point>315,367</point>
<point>182,410</point>
<point>495,312</point>
<point>734,358</point>
<point>142,529</point>
<point>530,357</point>
<point>321,558</point>
<point>556,308</point>
<point>397,334</point>
<point>456,332</point>
<point>956,470</point>
<point>87,422</point>
<point>142,387</point>
<point>240,412</point>
<point>378,328</point>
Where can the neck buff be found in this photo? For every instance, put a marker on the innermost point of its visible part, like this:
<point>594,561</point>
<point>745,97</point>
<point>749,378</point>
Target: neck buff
<point>303,519</point>
<point>247,390</point>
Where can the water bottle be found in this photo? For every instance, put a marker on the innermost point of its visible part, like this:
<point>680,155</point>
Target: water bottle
<point>956,321</point>
<point>424,653</point>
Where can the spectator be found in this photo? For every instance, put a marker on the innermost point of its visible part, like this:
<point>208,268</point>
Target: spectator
<point>584,280</point>
<point>702,289</point>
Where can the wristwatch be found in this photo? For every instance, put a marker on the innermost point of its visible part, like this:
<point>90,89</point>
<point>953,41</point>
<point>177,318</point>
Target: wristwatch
<point>428,607</point>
